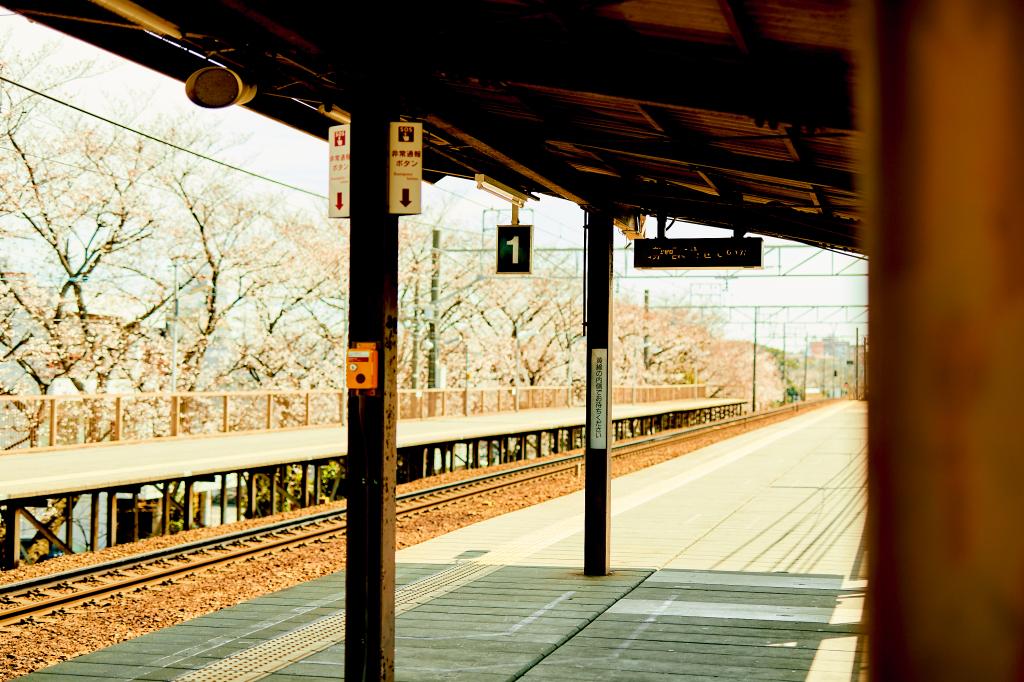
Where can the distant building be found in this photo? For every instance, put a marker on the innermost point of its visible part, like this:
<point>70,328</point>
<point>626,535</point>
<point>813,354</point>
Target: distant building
<point>831,347</point>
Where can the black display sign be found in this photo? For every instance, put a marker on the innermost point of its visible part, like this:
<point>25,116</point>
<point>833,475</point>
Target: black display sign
<point>690,254</point>
<point>515,250</point>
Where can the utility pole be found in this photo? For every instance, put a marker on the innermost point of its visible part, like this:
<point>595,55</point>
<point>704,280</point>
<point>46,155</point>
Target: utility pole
<point>856,363</point>
<point>568,369</point>
<point>174,335</point>
<point>753,388</point>
<point>647,337</point>
<point>785,384</point>
<point>416,334</point>
<point>806,348</point>
<point>435,294</point>
<point>515,337</point>
<point>835,374</point>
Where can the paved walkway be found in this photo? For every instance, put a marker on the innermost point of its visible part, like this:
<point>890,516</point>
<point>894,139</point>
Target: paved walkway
<point>58,471</point>
<point>740,561</point>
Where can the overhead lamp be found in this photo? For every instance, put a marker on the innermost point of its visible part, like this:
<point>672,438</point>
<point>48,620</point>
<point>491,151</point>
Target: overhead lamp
<point>141,16</point>
<point>335,114</point>
<point>502,191</point>
<point>215,87</point>
<point>631,225</point>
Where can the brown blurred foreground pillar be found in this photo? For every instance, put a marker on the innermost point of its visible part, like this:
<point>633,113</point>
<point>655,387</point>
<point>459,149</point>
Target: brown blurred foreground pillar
<point>942,101</point>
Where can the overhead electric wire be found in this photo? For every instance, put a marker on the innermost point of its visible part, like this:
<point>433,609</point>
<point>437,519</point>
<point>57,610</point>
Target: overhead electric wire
<point>230,166</point>
<point>158,140</point>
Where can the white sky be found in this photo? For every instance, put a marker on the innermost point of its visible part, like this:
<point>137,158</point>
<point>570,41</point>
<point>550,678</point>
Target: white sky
<point>296,158</point>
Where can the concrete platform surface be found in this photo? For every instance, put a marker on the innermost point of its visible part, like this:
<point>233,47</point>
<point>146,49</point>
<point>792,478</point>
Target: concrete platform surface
<point>740,561</point>
<point>54,472</point>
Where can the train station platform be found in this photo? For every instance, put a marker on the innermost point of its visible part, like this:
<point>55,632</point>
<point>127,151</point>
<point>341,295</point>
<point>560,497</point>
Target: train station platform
<point>78,469</point>
<point>743,560</point>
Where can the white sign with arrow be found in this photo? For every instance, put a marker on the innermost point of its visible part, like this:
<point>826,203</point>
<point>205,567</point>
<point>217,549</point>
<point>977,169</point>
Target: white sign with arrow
<point>339,139</point>
<point>405,168</point>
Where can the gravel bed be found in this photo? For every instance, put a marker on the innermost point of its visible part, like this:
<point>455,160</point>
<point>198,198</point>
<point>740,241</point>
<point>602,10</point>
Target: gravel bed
<point>30,647</point>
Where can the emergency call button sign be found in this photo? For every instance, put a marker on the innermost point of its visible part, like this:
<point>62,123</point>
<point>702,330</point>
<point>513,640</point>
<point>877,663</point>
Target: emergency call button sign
<point>405,168</point>
<point>339,139</point>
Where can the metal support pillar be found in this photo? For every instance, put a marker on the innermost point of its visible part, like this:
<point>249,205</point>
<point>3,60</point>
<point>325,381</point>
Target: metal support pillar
<point>223,498</point>
<point>372,453</point>
<point>94,521</point>
<point>111,518</point>
<point>69,521</point>
<point>165,510</point>
<point>942,105</point>
<point>597,495</point>
<point>190,505</point>
<point>250,498</point>
<point>272,481</point>
<point>12,537</point>
<point>135,518</point>
<point>239,494</point>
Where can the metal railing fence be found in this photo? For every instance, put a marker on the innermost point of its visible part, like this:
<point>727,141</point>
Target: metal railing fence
<point>29,422</point>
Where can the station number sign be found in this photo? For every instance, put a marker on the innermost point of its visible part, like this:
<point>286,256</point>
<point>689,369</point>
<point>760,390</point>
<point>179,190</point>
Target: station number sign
<point>515,250</point>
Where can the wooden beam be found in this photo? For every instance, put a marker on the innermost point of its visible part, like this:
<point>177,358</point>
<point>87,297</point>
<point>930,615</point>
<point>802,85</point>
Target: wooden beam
<point>50,536</point>
<point>706,158</point>
<point>504,158</point>
<point>740,26</point>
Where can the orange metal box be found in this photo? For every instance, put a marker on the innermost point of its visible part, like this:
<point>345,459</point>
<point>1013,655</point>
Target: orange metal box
<point>361,366</point>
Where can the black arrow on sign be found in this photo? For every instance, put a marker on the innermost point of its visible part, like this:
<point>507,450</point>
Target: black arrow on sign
<point>339,204</point>
<point>405,198</point>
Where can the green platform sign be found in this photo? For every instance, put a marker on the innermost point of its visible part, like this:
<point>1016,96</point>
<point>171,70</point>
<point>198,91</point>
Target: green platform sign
<point>515,250</point>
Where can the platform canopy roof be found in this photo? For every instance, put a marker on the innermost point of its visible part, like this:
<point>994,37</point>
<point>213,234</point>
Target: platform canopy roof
<point>732,113</point>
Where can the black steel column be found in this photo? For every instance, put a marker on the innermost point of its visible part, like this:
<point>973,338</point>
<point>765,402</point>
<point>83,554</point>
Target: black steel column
<point>372,454</point>
<point>12,537</point>
<point>597,524</point>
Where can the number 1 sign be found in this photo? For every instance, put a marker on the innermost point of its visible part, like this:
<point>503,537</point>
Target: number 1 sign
<point>515,250</point>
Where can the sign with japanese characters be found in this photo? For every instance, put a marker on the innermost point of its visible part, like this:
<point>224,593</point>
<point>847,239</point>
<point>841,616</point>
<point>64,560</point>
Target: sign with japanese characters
<point>688,254</point>
<point>339,177</point>
<point>515,250</point>
<point>599,396</point>
<point>405,168</point>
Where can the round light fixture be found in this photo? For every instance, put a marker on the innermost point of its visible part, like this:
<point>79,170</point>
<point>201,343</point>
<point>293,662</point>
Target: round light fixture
<point>214,87</point>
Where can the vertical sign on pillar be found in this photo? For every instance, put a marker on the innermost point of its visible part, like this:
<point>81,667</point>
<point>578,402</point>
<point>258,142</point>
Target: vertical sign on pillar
<point>598,398</point>
<point>405,168</point>
<point>338,140</point>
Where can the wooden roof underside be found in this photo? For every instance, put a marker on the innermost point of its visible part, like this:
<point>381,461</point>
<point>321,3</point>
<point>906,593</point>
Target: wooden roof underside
<point>732,113</point>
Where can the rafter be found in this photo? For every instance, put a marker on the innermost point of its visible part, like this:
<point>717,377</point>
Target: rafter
<point>735,14</point>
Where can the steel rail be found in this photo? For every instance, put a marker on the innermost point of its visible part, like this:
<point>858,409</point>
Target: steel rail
<point>196,555</point>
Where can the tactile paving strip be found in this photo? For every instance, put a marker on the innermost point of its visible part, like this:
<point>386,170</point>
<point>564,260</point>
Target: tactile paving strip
<point>263,659</point>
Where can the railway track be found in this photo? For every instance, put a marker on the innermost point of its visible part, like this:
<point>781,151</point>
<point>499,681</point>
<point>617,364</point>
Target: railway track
<point>22,602</point>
